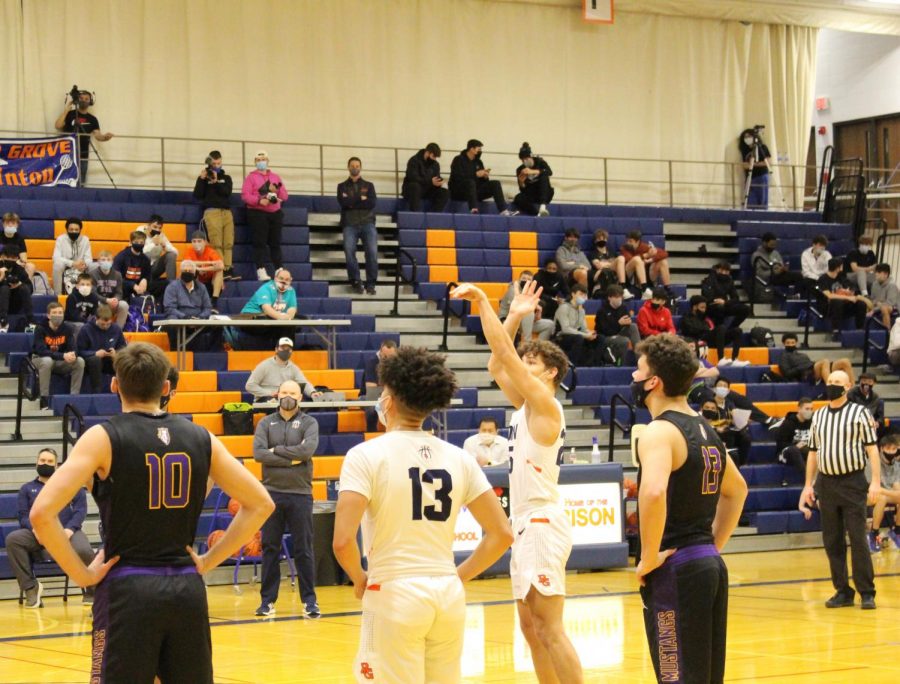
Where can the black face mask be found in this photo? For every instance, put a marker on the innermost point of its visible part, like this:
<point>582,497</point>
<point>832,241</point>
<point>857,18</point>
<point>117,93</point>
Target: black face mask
<point>889,457</point>
<point>709,414</point>
<point>639,393</point>
<point>188,277</point>
<point>789,350</point>
<point>137,247</point>
<point>154,233</point>
<point>164,401</point>
<point>834,392</point>
<point>600,244</point>
<point>655,305</point>
<point>45,470</point>
<point>74,236</point>
<point>723,277</point>
<point>522,284</point>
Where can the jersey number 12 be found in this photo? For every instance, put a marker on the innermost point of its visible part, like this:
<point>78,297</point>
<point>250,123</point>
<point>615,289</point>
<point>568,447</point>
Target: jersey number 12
<point>443,485</point>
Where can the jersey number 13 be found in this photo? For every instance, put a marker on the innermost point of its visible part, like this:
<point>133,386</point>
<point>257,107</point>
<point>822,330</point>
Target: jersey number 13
<point>442,483</point>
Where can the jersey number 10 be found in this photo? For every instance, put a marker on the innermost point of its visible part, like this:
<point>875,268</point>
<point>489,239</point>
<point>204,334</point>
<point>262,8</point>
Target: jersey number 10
<point>443,485</point>
<point>170,480</point>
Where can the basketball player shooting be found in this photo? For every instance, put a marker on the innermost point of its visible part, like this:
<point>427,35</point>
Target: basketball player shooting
<point>149,471</point>
<point>541,529</point>
<point>690,497</point>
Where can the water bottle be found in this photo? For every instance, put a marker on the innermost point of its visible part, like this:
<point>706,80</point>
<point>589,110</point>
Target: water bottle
<point>595,450</point>
<point>572,455</point>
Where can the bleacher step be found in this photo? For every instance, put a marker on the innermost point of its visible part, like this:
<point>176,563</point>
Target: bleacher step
<point>383,307</point>
<point>430,324</point>
<point>331,221</point>
<point>27,448</point>
<point>29,408</point>
<point>773,542</point>
<point>35,428</point>
<point>384,293</point>
<point>711,230</point>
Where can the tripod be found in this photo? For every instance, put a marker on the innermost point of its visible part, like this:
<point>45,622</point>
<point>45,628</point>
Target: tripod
<point>754,155</point>
<point>80,135</point>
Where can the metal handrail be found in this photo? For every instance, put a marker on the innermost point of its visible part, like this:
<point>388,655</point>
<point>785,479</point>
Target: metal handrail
<point>398,276</point>
<point>882,241</point>
<point>868,342</point>
<point>810,312</point>
<point>824,175</point>
<point>71,413</point>
<point>29,391</point>
<point>614,422</point>
<point>450,286</point>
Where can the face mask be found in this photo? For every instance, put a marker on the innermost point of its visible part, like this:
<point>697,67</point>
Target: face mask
<point>804,415</point>
<point>137,247</point>
<point>655,306</point>
<point>639,393</point>
<point>889,457</point>
<point>262,166</point>
<point>284,354</point>
<point>486,438</point>
<point>45,469</point>
<point>710,414</point>
<point>748,141</point>
<point>600,244</point>
<point>790,350</point>
<point>198,247</point>
<point>722,392</point>
<point>723,277</point>
<point>834,392</point>
<point>865,389</point>
<point>84,290</point>
<point>164,401</point>
<point>529,163</point>
<point>9,231</point>
<point>615,303</point>
<point>188,277</point>
<point>282,287</point>
<point>288,403</point>
<point>580,300</point>
<point>355,172</point>
<point>817,251</point>
<point>522,284</point>
<point>73,236</point>
<point>379,409</point>
<point>105,266</point>
<point>864,249</point>
<point>55,320</point>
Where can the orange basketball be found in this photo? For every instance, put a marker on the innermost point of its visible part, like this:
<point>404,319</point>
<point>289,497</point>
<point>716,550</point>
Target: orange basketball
<point>630,487</point>
<point>233,507</point>
<point>254,546</point>
<point>631,520</point>
<point>214,538</point>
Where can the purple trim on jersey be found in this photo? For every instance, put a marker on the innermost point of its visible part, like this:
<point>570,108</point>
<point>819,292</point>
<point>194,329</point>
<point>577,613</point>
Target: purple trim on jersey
<point>100,632</point>
<point>666,621</point>
<point>692,553</point>
<point>162,571</point>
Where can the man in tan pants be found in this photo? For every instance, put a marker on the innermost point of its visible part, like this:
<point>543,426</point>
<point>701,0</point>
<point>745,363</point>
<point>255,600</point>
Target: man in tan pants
<point>213,189</point>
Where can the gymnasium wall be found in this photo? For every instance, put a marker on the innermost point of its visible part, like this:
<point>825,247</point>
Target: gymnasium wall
<point>404,72</point>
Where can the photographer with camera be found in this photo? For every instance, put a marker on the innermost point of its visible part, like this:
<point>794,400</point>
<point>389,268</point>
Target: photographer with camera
<point>15,288</point>
<point>263,192</point>
<point>755,156</point>
<point>213,189</point>
<point>76,118</point>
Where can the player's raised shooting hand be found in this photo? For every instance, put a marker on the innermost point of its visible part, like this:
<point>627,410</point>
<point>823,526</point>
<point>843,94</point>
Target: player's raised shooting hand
<point>98,568</point>
<point>526,300</point>
<point>469,292</point>
<point>644,568</point>
<point>199,561</point>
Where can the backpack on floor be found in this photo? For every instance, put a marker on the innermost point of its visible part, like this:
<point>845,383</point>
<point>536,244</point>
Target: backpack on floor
<point>139,314</point>
<point>762,337</point>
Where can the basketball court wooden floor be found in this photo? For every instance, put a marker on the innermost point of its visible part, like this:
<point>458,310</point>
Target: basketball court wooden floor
<point>779,631</point>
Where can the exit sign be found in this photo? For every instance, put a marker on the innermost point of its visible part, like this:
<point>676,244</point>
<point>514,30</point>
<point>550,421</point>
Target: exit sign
<point>598,11</point>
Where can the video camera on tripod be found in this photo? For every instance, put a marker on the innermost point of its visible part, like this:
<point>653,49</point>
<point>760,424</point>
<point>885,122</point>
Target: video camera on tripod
<point>76,94</point>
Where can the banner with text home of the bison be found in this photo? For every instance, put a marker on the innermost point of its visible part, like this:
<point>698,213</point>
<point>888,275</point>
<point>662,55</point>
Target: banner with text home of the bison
<point>38,161</point>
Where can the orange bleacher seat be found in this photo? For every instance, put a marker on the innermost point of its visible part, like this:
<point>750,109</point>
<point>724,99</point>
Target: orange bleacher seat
<point>320,490</point>
<point>526,258</point>
<point>442,256</point>
<point>495,305</point>
<point>517,271</point>
<point>435,237</point>
<point>255,467</point>
<point>739,387</point>
<point>197,381</point>
<point>338,379</point>
<point>443,274</point>
<point>779,409</point>
<point>351,421</point>
<point>120,231</point>
<point>160,339</point>
<point>589,320</point>
<point>188,359</point>
<point>45,265</point>
<point>240,446</point>
<point>201,402</point>
<point>757,356</point>
<point>327,467</point>
<point>523,241</point>
<point>211,421</point>
<point>248,360</point>
<point>40,249</point>
<point>493,290</point>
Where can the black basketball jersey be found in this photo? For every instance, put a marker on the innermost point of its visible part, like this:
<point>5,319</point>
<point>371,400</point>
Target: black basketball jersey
<point>151,500</point>
<point>693,492</point>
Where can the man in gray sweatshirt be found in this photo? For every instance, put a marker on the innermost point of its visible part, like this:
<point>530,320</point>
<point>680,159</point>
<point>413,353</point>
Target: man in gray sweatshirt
<point>268,375</point>
<point>884,294</point>
<point>284,442</point>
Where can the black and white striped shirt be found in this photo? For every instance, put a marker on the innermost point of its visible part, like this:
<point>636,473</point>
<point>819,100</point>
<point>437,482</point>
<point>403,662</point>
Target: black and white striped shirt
<point>840,437</point>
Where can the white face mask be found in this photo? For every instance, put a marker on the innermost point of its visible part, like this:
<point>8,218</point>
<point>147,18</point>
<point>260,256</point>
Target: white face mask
<point>486,438</point>
<point>9,231</point>
<point>105,266</point>
<point>748,141</point>
<point>722,392</point>
<point>84,290</point>
<point>864,249</point>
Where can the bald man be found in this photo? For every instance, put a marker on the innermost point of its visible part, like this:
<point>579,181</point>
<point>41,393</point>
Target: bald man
<point>841,439</point>
<point>284,443</point>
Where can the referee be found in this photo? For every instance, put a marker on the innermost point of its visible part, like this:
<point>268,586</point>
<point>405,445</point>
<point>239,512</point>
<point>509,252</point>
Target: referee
<point>841,437</point>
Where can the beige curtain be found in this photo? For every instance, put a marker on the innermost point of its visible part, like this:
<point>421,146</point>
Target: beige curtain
<point>400,73</point>
<point>11,73</point>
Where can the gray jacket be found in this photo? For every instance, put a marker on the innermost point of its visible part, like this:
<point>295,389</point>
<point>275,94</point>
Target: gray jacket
<point>885,294</point>
<point>268,375</point>
<point>278,442</point>
<point>571,320</point>
<point>570,258</point>
<point>762,268</point>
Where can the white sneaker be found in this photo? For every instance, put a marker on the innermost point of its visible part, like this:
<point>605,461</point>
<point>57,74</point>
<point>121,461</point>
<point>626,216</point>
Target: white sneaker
<point>648,294</point>
<point>543,211</point>
<point>737,363</point>
<point>725,361</point>
<point>262,275</point>
<point>506,212</point>
<point>627,294</point>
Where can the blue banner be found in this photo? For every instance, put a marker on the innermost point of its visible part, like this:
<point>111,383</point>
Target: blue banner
<point>39,161</point>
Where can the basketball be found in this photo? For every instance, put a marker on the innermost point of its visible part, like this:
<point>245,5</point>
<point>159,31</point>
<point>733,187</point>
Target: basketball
<point>214,537</point>
<point>233,507</point>
<point>254,546</point>
<point>631,520</point>
<point>630,488</point>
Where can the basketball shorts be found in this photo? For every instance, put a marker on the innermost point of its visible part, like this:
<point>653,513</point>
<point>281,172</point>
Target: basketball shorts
<point>686,614</point>
<point>412,631</point>
<point>541,547</point>
<point>149,622</point>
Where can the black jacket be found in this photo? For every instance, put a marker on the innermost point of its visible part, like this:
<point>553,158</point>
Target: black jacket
<point>15,272</point>
<point>539,165</point>
<point>792,431</point>
<point>873,402</point>
<point>420,171</point>
<point>606,322</point>
<point>794,365</point>
<point>355,210</point>
<point>694,326</point>
<point>553,283</point>
<point>714,287</point>
<point>214,195</point>
<point>464,169</point>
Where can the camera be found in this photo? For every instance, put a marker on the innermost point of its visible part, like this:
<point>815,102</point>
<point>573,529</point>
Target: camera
<point>76,92</point>
<point>209,168</point>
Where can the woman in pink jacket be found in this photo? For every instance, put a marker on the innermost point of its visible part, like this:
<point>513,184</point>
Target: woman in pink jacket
<point>263,194</point>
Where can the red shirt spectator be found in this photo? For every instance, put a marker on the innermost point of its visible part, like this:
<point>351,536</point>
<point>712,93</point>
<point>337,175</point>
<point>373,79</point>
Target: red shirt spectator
<point>654,318</point>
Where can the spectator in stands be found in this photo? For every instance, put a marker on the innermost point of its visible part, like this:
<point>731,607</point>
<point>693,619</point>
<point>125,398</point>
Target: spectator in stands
<point>82,304</point>
<point>795,366</point>
<point>885,295</point>
<point>696,324</point>
<point>386,350</point>
<point>756,164</point>
<point>704,382</point>
<point>864,394</point>
<point>134,266</point>
<point>654,318</point>
<point>486,446</point>
<point>15,289</point>
<point>890,481</point>
<point>173,378</point>
<point>264,193</point>
<point>98,342</point>
<point>814,260</point>
<point>533,323</point>
<point>722,387</point>
<point>276,300</point>
<point>22,545</point>
<point>655,261</point>
<point>893,349</point>
<point>76,118</point>
<point>838,299</point>
<point>54,352</point>
<point>533,176</point>
<point>606,269</point>
<point>423,180</point>
<point>580,343</point>
<point>792,442</point>
<point>471,182</point>
<point>187,298</point>
<point>573,263</point>
<point>357,199</point>
<point>859,265</point>
<point>11,235</point>
<point>768,264</point>
<point>213,189</point>
<point>210,267</point>
<point>725,307</point>
<point>284,442</point>
<point>615,323</point>
<point>159,249</point>
<point>555,288</point>
<point>71,256</point>
<point>269,374</point>
<point>110,287</point>
<point>735,439</point>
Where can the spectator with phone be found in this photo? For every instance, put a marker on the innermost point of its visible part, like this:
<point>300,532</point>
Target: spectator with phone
<point>470,181</point>
<point>533,176</point>
<point>615,323</point>
<point>213,189</point>
<point>264,194</point>
<point>15,289</point>
<point>655,259</point>
<point>423,180</point>
<point>159,250</point>
<point>109,287</point>
<point>98,342</point>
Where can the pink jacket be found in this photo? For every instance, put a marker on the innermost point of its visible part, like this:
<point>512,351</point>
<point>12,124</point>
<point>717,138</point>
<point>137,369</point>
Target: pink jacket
<point>250,190</point>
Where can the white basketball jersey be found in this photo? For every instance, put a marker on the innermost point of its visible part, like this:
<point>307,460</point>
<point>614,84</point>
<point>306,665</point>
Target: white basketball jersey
<point>416,485</point>
<point>533,469</point>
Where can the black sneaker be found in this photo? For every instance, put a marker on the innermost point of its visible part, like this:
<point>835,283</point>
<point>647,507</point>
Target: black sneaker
<point>229,274</point>
<point>357,288</point>
<point>266,610</point>
<point>867,603</point>
<point>840,600</point>
<point>312,611</point>
<point>370,289</point>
